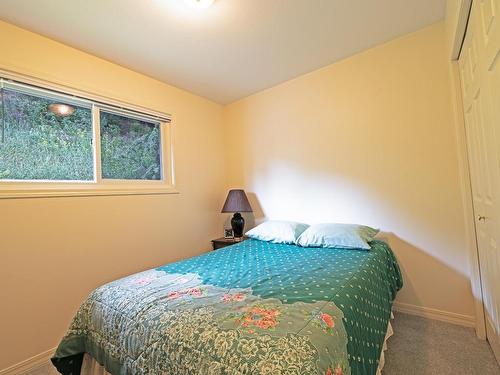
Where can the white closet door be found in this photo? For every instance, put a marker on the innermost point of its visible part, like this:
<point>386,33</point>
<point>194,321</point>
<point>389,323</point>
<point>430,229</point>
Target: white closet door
<point>480,76</point>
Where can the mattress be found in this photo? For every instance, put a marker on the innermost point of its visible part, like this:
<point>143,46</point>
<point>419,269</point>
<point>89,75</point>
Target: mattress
<point>254,307</point>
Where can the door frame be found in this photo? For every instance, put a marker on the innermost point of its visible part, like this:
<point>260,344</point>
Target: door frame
<point>458,35</point>
<point>460,26</point>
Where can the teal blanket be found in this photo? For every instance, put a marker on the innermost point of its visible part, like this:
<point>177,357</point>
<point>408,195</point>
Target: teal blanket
<point>251,308</point>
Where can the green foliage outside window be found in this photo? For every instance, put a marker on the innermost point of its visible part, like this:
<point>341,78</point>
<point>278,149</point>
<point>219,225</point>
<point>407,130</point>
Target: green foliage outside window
<point>130,148</point>
<point>36,144</point>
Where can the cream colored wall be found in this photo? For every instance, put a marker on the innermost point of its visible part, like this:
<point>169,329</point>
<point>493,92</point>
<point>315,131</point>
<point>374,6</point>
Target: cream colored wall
<point>54,251</point>
<point>369,140</point>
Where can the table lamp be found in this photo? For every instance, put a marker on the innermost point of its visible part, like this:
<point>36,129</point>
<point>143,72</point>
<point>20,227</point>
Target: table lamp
<point>237,202</point>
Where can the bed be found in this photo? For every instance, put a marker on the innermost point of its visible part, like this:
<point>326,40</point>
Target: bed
<point>252,308</point>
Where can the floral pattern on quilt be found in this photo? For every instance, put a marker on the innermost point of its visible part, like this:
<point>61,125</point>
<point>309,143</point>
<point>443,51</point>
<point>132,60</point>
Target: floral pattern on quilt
<point>161,323</point>
<point>261,294</point>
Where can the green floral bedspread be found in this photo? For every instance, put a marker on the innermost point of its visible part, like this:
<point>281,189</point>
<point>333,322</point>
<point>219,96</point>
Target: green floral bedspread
<point>252,308</point>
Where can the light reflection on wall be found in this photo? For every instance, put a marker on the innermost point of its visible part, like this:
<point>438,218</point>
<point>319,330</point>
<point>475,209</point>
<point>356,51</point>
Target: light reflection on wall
<point>291,192</point>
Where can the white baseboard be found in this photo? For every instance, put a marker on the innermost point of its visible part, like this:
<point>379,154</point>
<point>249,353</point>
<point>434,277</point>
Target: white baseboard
<point>30,364</point>
<point>430,313</point>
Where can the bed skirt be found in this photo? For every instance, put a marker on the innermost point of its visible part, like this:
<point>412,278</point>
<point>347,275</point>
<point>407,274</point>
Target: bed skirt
<point>91,367</point>
<point>388,334</point>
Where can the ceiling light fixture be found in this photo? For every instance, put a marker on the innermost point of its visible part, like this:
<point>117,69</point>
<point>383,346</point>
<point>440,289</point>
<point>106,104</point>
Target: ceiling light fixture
<point>60,109</point>
<point>199,4</point>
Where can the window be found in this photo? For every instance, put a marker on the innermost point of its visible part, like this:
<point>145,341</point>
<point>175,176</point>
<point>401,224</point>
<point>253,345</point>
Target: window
<point>53,143</point>
<point>40,144</point>
<point>130,148</point>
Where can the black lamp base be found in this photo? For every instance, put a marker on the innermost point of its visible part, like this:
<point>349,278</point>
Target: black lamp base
<point>238,224</point>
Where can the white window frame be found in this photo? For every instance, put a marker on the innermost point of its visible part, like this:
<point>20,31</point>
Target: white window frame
<point>99,185</point>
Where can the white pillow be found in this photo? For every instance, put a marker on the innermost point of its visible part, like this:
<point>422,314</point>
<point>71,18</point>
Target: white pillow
<point>346,236</point>
<point>277,231</point>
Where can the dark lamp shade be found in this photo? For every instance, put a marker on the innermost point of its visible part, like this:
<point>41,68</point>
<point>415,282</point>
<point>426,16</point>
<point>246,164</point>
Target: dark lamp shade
<point>237,201</point>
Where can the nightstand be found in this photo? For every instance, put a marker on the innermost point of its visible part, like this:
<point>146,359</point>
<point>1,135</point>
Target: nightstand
<point>219,243</point>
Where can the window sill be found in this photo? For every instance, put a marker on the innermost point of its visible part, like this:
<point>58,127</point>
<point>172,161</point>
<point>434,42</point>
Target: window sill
<point>58,190</point>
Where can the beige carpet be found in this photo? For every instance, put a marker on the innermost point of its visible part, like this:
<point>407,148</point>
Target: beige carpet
<point>424,347</point>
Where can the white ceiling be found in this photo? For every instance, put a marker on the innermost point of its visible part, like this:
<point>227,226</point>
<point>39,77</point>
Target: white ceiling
<point>230,50</point>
